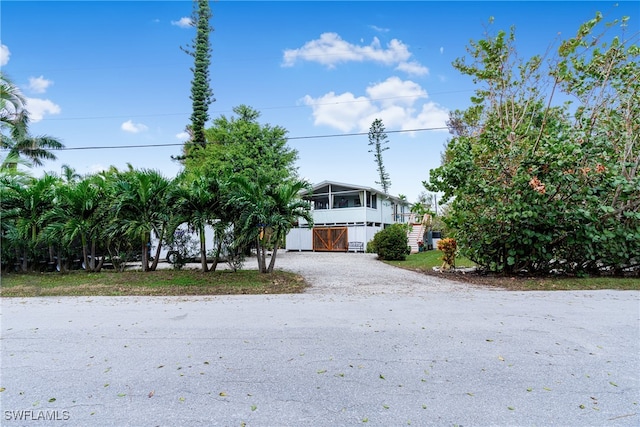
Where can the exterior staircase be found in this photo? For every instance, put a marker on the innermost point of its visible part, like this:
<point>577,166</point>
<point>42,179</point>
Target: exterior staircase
<point>419,225</point>
<point>414,235</point>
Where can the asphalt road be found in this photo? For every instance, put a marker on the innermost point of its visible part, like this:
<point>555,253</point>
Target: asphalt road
<point>428,353</point>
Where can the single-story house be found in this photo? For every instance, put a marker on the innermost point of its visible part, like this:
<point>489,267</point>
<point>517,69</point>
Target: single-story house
<point>345,217</point>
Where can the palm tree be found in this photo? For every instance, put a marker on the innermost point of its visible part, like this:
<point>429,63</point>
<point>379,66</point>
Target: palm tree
<point>249,199</point>
<point>288,208</point>
<point>25,207</point>
<point>267,213</point>
<point>14,119</point>
<point>69,174</point>
<point>34,148</point>
<point>112,236</point>
<point>12,104</point>
<point>198,203</point>
<point>76,216</point>
<point>141,208</point>
<point>11,182</point>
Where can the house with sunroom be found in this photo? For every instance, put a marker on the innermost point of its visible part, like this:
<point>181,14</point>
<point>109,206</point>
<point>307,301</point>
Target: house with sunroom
<point>345,217</point>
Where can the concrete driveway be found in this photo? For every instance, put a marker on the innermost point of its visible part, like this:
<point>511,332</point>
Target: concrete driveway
<point>389,349</point>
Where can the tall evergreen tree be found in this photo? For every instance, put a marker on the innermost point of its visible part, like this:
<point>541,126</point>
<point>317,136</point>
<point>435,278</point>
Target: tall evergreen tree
<point>378,138</point>
<point>201,93</point>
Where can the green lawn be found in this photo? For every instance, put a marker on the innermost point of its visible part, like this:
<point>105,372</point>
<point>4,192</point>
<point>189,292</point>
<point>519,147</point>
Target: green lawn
<point>427,260</point>
<point>161,282</point>
<point>224,282</point>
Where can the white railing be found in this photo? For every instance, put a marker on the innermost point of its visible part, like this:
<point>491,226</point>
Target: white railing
<point>424,223</point>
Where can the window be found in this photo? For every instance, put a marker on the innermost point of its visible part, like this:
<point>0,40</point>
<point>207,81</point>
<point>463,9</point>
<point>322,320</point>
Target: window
<point>321,203</point>
<point>340,202</point>
<point>346,201</point>
<point>372,201</point>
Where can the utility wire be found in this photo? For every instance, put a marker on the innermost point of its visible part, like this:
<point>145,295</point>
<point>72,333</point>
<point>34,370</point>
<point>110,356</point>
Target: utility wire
<point>177,144</point>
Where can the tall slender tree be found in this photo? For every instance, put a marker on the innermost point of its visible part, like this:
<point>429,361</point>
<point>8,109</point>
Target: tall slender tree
<point>201,93</point>
<point>378,139</point>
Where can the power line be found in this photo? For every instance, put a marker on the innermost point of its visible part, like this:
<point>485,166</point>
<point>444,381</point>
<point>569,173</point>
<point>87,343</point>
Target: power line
<point>177,144</point>
<point>367,133</point>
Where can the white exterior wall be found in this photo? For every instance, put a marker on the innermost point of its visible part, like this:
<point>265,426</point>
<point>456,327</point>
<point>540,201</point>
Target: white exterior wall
<point>332,216</point>
<point>349,215</point>
<point>386,213</point>
<point>371,231</point>
<point>357,233</point>
<point>300,239</point>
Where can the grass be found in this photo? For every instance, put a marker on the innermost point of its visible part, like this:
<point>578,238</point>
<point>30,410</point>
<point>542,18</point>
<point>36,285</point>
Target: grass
<point>155,283</point>
<point>225,282</point>
<point>425,261</point>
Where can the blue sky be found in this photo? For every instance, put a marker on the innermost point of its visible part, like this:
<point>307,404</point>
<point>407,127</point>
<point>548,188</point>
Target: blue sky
<point>111,74</point>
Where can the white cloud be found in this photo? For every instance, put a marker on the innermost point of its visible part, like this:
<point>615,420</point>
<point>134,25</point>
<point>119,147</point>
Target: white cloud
<point>4,55</point>
<point>441,50</point>
<point>184,22</point>
<point>393,117</point>
<point>39,107</point>
<point>339,111</point>
<point>131,127</point>
<point>39,84</point>
<point>379,29</point>
<point>330,49</point>
<point>396,91</point>
<point>431,116</point>
<point>182,136</point>
<point>395,101</point>
<point>413,68</point>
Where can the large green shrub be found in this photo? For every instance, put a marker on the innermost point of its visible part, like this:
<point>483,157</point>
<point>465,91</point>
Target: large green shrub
<point>392,243</point>
<point>538,185</point>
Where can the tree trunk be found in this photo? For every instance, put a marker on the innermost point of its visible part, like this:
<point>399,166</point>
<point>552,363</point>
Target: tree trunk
<point>272,263</point>
<point>145,258</point>
<point>85,254</point>
<point>260,256</point>
<point>216,257</point>
<point>25,264</point>
<point>34,264</point>
<point>156,258</point>
<point>93,255</point>
<point>98,267</point>
<point>203,250</point>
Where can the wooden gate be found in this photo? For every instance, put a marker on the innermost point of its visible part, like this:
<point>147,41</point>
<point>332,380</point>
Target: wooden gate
<point>330,239</point>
